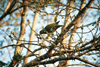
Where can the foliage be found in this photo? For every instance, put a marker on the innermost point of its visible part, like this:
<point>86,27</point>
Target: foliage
<point>2,64</point>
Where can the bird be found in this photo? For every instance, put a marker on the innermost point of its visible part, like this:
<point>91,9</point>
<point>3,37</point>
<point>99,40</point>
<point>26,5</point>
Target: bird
<point>50,28</point>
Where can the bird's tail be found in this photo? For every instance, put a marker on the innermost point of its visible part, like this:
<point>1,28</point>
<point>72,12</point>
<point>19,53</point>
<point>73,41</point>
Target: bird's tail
<point>57,22</point>
<point>59,26</point>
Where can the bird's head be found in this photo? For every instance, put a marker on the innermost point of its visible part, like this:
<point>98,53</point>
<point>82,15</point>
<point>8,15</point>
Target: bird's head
<point>43,31</point>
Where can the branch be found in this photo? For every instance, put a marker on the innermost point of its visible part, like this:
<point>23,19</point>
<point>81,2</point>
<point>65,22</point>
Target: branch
<point>59,59</point>
<point>91,41</point>
<point>86,61</point>
<point>10,8</point>
<point>23,44</point>
<point>35,61</point>
<point>95,7</point>
<point>48,62</point>
<point>70,25</point>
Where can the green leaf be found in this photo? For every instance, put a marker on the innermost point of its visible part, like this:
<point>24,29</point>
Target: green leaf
<point>1,42</point>
<point>55,19</point>
<point>2,64</point>
<point>17,57</point>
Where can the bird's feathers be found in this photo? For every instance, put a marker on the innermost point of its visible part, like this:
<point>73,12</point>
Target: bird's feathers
<point>50,28</point>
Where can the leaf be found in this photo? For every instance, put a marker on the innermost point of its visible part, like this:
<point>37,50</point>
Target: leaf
<point>17,57</point>
<point>55,19</point>
<point>28,21</point>
<point>99,19</point>
<point>94,58</point>
<point>52,7</point>
<point>83,58</point>
<point>1,42</point>
<point>2,64</point>
<point>55,1</point>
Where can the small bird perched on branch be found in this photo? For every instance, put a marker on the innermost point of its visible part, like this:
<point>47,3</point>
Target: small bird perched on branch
<point>50,28</point>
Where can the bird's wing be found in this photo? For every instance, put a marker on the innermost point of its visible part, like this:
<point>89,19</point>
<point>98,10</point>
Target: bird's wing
<point>50,27</point>
<point>57,26</point>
